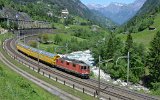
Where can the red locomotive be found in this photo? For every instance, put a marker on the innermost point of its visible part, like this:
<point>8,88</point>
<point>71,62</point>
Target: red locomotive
<point>74,66</point>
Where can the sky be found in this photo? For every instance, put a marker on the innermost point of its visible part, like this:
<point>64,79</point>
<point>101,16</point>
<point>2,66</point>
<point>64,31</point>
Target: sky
<point>106,2</point>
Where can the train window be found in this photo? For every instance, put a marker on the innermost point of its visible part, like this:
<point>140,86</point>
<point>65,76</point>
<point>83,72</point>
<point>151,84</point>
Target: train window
<point>84,67</point>
<point>67,63</point>
<point>81,67</point>
<point>62,61</point>
<point>74,65</point>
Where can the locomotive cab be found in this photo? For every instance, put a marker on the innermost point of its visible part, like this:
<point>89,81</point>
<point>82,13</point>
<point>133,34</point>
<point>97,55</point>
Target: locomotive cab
<point>85,71</point>
<point>74,66</point>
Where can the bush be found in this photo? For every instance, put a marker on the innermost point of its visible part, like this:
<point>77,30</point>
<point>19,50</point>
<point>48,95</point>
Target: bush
<point>44,38</point>
<point>57,39</point>
<point>33,44</point>
<point>4,25</point>
<point>156,88</point>
<point>91,74</point>
<point>53,25</point>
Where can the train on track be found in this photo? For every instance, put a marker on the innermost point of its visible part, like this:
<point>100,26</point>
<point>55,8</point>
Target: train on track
<point>79,68</point>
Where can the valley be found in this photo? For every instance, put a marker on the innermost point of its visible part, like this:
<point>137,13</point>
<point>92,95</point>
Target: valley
<point>118,12</point>
<point>122,39</point>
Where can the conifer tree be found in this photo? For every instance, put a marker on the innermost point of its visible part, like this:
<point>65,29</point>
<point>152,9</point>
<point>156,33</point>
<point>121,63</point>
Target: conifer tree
<point>154,59</point>
<point>129,43</point>
<point>110,48</point>
<point>136,59</point>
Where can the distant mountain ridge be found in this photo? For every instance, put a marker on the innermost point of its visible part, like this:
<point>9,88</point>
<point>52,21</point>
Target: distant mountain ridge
<point>143,19</point>
<point>118,12</point>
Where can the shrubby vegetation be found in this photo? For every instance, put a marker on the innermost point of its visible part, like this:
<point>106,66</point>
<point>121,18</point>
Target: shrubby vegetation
<point>43,38</point>
<point>75,38</point>
<point>57,39</point>
<point>33,44</point>
<point>10,27</point>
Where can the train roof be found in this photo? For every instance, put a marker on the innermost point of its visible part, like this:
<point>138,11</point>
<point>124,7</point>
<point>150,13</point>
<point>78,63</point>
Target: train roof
<point>38,51</point>
<point>82,63</point>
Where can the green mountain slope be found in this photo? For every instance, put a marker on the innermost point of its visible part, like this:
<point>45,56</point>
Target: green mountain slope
<point>143,19</point>
<point>146,35</point>
<point>150,7</point>
<point>39,9</point>
<point>104,21</point>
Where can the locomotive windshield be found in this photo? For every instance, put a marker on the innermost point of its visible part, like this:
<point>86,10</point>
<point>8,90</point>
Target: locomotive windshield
<point>84,67</point>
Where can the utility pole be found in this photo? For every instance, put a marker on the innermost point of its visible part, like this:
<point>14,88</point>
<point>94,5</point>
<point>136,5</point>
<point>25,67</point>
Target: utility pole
<point>66,47</point>
<point>38,56</point>
<point>17,21</point>
<point>24,39</point>
<point>8,24</point>
<point>128,58</point>
<point>38,53</point>
<point>101,62</point>
<point>128,68</point>
<point>99,78</point>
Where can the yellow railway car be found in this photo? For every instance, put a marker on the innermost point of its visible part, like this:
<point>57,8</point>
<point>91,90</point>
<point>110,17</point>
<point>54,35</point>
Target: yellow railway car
<point>42,55</point>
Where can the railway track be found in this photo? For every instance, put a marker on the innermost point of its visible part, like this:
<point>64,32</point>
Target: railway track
<point>41,83</point>
<point>135,94</point>
<point>9,46</point>
<point>111,90</point>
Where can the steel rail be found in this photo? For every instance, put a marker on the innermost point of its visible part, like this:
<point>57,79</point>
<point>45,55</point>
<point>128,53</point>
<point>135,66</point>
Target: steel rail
<point>85,83</point>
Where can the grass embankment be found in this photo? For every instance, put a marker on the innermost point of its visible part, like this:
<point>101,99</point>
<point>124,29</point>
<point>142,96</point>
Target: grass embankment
<point>74,92</point>
<point>15,87</point>
<point>146,36</point>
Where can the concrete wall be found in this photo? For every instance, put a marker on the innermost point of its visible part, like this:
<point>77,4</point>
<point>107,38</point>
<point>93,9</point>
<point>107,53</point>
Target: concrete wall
<point>33,31</point>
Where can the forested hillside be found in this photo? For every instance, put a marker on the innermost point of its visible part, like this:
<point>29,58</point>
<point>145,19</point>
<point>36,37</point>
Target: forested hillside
<point>146,26</point>
<point>39,9</point>
<point>143,19</point>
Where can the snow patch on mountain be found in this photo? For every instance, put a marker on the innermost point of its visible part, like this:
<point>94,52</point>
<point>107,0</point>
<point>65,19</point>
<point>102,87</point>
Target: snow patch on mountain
<point>118,12</point>
<point>118,4</point>
<point>96,6</point>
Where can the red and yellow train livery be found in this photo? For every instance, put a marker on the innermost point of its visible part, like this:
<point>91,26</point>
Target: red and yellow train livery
<point>74,66</point>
